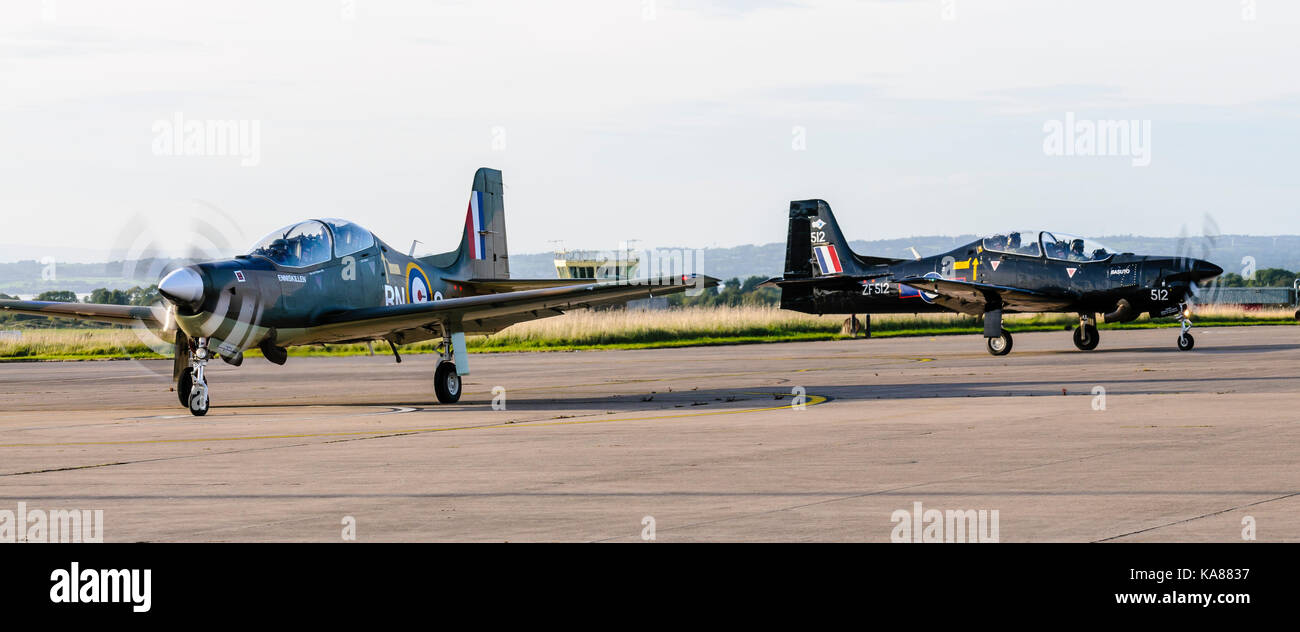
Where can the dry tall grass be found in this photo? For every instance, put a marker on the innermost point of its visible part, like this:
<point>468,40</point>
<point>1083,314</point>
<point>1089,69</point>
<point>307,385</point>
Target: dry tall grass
<point>72,342</point>
<point>619,327</point>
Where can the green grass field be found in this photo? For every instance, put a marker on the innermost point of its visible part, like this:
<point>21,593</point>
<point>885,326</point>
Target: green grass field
<point>584,330</point>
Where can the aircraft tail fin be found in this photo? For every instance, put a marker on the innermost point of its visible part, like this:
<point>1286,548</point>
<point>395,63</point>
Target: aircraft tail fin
<point>815,241</point>
<point>798,248</point>
<point>815,246</point>
<point>484,244</point>
<point>482,253</point>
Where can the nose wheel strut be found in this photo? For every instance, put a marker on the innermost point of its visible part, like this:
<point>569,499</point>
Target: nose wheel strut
<point>192,386</point>
<point>1185,339</point>
<point>1086,335</point>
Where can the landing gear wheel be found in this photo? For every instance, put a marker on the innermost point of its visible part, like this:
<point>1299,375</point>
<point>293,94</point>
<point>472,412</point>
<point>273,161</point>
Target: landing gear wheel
<point>192,387</point>
<point>1086,337</point>
<point>1001,345</point>
<point>198,403</point>
<point>1186,342</point>
<point>446,383</point>
<point>184,385</point>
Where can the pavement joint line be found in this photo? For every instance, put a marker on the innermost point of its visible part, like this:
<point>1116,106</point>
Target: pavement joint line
<point>1212,513</point>
<point>880,492</point>
<point>813,400</point>
<point>948,480</point>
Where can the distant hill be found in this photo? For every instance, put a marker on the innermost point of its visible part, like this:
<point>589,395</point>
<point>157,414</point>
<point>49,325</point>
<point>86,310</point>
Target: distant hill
<point>1282,251</point>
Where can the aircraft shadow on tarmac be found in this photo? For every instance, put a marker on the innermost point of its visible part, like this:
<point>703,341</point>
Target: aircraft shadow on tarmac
<point>1208,348</point>
<point>1173,385</point>
<point>755,398</point>
<point>659,400</point>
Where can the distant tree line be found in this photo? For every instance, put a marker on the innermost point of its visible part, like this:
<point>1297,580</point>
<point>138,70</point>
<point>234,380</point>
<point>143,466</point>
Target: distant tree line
<point>139,296</point>
<point>1268,277</point>
<point>732,293</point>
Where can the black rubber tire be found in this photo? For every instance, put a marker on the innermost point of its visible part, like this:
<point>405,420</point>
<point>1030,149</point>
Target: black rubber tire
<point>1090,332</point>
<point>183,386</point>
<point>1001,345</point>
<point>446,383</point>
<point>199,412</point>
<point>1186,342</point>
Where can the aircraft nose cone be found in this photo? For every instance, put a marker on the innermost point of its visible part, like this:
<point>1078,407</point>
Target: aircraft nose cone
<point>182,286</point>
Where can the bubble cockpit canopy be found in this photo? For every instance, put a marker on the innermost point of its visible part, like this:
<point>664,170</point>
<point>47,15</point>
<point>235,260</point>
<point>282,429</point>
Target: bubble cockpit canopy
<point>1060,246</point>
<point>1016,242</point>
<point>297,246</point>
<point>349,237</point>
<point>1066,247</point>
<point>308,243</point>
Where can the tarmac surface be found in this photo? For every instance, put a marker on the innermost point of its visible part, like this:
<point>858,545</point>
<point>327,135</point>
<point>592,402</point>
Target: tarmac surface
<point>704,444</point>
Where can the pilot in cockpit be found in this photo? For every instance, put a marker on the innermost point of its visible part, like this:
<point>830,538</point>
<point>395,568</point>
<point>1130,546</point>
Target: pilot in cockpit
<point>1013,242</point>
<point>278,250</point>
<point>1076,250</point>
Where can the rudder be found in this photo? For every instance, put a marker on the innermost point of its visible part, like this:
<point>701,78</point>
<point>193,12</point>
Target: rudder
<point>484,243</point>
<point>815,246</point>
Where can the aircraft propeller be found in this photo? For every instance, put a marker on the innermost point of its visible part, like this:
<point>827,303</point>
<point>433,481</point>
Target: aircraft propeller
<point>147,258</point>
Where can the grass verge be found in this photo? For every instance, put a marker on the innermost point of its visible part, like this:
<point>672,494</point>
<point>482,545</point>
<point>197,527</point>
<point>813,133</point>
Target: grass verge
<point>583,331</point>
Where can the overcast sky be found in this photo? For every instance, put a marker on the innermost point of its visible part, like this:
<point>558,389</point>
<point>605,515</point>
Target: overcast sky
<point>672,122</point>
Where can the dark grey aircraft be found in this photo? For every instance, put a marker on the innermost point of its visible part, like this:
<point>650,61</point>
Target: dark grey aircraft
<point>1016,271</point>
<point>332,281</point>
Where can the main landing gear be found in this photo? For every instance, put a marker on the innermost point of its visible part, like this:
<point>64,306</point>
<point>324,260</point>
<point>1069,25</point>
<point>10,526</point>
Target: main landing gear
<point>997,338</point>
<point>192,385</point>
<point>1185,339</point>
<point>1086,335</point>
<point>1000,345</point>
<point>446,381</point>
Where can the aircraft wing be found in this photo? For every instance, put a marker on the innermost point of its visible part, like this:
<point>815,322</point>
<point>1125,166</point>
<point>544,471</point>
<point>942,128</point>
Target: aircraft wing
<point>969,297</point>
<point>114,314</point>
<point>489,286</point>
<point>490,312</point>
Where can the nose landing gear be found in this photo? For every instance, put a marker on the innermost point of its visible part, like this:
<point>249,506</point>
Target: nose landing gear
<point>192,385</point>
<point>1086,335</point>
<point>1185,339</point>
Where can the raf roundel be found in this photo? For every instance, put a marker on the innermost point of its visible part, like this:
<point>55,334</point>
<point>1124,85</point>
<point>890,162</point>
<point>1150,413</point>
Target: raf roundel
<point>930,296</point>
<point>417,284</point>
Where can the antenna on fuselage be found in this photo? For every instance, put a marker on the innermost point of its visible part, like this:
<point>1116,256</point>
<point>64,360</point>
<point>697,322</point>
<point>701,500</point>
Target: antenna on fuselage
<point>915,254</point>
<point>413,242</point>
